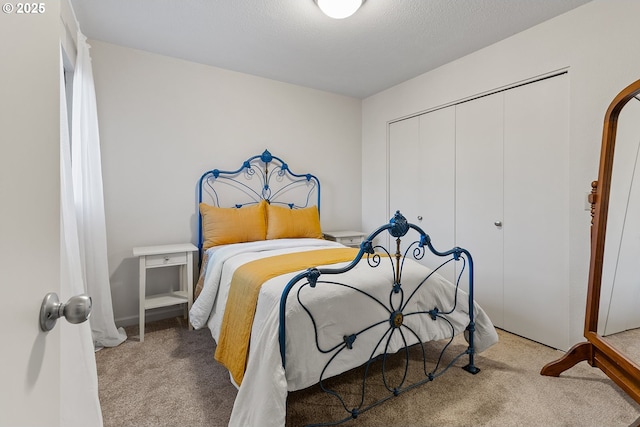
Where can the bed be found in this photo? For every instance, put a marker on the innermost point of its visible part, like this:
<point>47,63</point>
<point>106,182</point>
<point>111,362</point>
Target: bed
<point>289,309</point>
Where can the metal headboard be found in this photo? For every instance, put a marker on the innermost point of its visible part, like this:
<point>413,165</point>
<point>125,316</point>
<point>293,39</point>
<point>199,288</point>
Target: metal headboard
<point>261,177</point>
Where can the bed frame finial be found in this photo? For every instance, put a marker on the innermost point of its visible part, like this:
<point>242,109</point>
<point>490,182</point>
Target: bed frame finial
<point>399,225</point>
<point>266,156</point>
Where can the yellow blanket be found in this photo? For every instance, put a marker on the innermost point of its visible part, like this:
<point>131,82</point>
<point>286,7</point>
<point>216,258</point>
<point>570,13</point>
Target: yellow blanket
<point>235,332</point>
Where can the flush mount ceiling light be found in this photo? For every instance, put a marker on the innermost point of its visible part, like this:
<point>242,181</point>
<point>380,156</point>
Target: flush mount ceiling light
<point>339,9</point>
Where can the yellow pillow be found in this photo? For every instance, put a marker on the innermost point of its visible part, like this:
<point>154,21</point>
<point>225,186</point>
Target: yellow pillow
<point>221,226</point>
<point>283,222</point>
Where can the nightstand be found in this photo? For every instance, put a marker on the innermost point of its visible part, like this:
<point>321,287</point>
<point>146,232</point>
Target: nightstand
<point>180,255</point>
<point>347,238</point>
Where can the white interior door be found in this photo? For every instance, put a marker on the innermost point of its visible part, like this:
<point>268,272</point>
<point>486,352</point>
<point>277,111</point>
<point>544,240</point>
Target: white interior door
<point>29,216</point>
<point>436,177</point>
<point>404,154</point>
<point>536,211</point>
<point>479,197</point>
<point>404,163</point>
<point>495,171</point>
<point>422,177</point>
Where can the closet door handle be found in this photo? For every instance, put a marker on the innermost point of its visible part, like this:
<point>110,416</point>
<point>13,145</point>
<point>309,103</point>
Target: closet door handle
<point>498,223</point>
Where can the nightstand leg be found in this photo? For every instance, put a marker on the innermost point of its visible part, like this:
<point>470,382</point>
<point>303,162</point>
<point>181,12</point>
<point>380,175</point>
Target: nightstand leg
<point>183,287</point>
<point>143,280</point>
<point>189,285</point>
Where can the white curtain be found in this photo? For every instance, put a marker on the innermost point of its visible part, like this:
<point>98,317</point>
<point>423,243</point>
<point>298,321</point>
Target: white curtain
<point>89,201</point>
<point>79,403</point>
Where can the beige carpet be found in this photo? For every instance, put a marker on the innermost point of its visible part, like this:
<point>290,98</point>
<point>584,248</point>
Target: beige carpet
<point>172,380</point>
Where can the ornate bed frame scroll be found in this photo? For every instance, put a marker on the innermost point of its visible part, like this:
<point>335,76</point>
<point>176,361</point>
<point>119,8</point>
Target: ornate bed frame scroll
<point>261,177</point>
<point>396,306</point>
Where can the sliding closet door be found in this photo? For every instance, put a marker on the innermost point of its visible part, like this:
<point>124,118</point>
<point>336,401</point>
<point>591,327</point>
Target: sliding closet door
<point>536,221</point>
<point>479,196</point>
<point>437,180</point>
<point>491,175</point>
<point>404,155</point>
<point>422,175</point>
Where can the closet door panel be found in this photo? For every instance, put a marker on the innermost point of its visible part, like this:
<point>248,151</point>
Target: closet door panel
<point>404,154</point>
<point>536,247</point>
<point>479,196</point>
<point>437,182</point>
<point>422,174</point>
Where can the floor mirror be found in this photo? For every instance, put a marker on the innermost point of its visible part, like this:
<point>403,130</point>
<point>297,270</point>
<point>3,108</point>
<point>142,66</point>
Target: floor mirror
<point>612,318</point>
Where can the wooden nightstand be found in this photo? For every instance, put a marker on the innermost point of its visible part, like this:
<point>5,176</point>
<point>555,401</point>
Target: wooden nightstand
<point>347,238</point>
<point>180,255</point>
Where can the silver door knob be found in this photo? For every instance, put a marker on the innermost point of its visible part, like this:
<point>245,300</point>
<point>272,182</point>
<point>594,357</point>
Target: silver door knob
<point>76,310</point>
<point>419,217</point>
<point>498,223</point>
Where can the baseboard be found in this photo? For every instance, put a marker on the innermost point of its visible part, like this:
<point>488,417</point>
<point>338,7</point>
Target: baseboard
<point>150,316</point>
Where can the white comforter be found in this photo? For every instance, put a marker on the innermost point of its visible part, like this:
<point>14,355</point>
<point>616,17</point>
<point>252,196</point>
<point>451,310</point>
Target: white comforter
<point>261,399</point>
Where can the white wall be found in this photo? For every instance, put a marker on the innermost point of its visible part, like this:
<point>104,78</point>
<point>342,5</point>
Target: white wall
<point>597,43</point>
<point>164,122</point>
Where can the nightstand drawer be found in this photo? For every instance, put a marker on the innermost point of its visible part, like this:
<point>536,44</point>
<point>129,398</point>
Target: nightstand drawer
<point>347,238</point>
<point>166,259</point>
<point>352,240</point>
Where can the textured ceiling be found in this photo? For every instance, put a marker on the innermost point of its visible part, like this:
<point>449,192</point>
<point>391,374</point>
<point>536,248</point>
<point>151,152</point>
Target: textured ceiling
<point>385,43</point>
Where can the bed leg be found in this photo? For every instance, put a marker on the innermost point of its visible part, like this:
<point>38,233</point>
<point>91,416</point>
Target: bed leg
<point>471,368</point>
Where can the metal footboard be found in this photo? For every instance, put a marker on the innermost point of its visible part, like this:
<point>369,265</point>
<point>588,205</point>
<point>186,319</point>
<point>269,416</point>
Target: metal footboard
<point>397,311</point>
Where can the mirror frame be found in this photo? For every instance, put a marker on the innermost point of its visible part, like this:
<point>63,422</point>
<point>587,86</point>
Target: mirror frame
<point>596,351</point>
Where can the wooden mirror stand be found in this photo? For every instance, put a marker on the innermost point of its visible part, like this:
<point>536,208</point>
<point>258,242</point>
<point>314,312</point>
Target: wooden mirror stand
<point>597,351</point>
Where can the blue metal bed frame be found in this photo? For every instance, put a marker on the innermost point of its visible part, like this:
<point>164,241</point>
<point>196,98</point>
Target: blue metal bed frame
<point>268,177</point>
<point>261,177</point>
<point>395,306</point>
